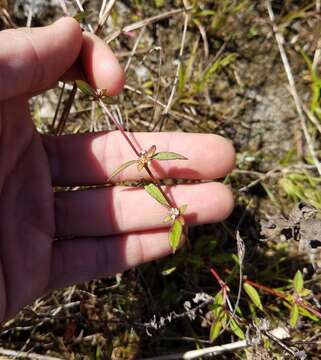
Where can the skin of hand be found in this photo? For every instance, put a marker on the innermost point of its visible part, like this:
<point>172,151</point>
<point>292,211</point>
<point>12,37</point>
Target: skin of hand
<point>50,240</point>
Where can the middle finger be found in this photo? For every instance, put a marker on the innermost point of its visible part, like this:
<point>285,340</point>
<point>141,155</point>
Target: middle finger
<point>115,210</point>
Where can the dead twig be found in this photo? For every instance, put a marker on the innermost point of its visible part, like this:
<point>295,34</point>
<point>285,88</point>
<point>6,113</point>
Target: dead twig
<point>179,65</point>
<point>133,52</point>
<point>279,333</point>
<point>64,7</point>
<point>148,21</point>
<point>30,13</point>
<point>104,13</point>
<point>6,18</point>
<point>26,355</point>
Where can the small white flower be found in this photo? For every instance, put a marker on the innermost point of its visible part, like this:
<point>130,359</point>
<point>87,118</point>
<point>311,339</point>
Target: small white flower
<point>174,212</point>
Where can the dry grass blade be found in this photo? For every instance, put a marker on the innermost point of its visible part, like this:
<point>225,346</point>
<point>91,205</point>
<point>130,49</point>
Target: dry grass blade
<point>279,333</point>
<point>132,54</point>
<point>179,64</point>
<point>81,8</point>
<point>174,114</point>
<point>139,24</point>
<point>26,355</point>
<point>64,7</point>
<point>6,18</point>
<point>312,118</point>
<point>104,13</point>
<point>202,31</point>
<point>280,41</point>
<point>30,13</point>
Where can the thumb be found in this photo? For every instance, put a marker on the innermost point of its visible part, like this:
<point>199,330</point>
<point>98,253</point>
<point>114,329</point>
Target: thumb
<point>34,59</point>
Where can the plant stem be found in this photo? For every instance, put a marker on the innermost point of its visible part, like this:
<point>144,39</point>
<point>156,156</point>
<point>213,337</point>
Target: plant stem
<point>276,293</point>
<point>136,151</point>
<point>119,127</point>
<point>66,110</point>
<point>297,300</point>
<point>222,284</point>
<point>157,183</point>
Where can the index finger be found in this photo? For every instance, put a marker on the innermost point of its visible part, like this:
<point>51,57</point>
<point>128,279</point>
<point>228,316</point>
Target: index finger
<point>90,159</point>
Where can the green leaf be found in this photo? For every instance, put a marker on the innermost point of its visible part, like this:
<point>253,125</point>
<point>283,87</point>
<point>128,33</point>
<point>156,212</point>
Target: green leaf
<point>305,292</point>
<point>298,282</point>
<point>235,327</point>
<point>216,66</point>
<point>154,192</point>
<point>82,15</point>
<point>304,312</point>
<point>122,168</point>
<point>165,155</point>
<point>85,88</point>
<point>181,78</point>
<point>294,315</point>
<point>218,303</point>
<point>253,295</point>
<point>175,235</point>
<point>168,271</point>
<point>182,209</point>
<point>159,3</point>
<point>217,325</point>
<point>215,329</point>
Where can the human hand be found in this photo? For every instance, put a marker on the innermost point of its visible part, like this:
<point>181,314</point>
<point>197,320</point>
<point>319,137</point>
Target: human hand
<point>50,240</point>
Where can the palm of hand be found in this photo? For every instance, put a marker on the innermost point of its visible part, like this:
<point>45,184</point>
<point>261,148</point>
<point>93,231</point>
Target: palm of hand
<point>35,256</point>
<point>27,225</point>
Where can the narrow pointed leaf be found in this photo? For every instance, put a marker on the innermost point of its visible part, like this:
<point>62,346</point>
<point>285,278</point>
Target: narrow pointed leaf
<point>154,192</point>
<point>215,329</point>
<point>294,315</point>
<point>305,292</point>
<point>168,271</point>
<point>85,88</point>
<point>218,303</point>
<point>175,235</point>
<point>298,282</point>
<point>122,168</point>
<point>235,327</point>
<point>253,295</point>
<point>168,156</point>
<point>219,322</point>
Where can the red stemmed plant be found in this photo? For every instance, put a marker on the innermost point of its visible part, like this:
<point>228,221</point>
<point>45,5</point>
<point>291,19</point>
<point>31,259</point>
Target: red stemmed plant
<point>143,161</point>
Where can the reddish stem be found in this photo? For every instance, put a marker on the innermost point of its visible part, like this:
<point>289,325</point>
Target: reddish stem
<point>121,129</point>
<point>222,284</point>
<point>297,299</point>
<point>276,293</point>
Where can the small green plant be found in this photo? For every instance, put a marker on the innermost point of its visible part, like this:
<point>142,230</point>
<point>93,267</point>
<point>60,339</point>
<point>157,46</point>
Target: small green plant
<point>222,313</point>
<point>293,300</point>
<point>143,160</point>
